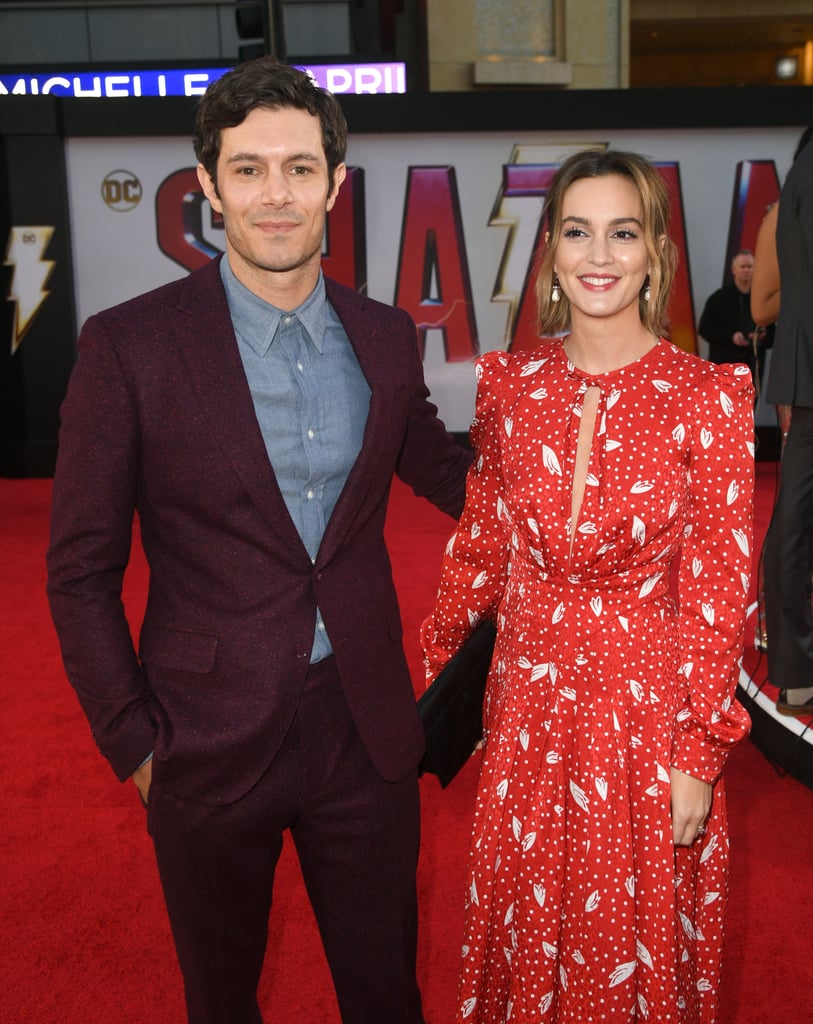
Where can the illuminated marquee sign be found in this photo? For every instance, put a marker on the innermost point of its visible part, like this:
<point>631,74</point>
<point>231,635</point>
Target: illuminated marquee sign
<point>337,78</point>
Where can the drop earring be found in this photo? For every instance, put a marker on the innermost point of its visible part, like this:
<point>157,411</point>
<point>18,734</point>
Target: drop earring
<point>647,290</point>
<point>556,292</point>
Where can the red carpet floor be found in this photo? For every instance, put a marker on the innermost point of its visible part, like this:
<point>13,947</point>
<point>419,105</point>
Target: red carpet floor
<point>83,933</point>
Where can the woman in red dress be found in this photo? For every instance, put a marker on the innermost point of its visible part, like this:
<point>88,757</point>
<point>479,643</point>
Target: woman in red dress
<point>599,860</point>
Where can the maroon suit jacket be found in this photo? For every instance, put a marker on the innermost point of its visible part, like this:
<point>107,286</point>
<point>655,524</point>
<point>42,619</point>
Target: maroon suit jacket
<point>158,421</point>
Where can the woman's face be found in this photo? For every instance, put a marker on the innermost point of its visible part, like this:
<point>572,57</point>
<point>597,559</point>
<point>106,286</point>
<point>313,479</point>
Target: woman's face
<point>601,259</point>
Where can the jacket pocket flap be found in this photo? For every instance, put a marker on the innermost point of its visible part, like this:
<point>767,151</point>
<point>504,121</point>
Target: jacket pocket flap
<point>182,650</point>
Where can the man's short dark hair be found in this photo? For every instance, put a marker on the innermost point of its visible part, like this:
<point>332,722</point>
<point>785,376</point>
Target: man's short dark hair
<point>269,84</point>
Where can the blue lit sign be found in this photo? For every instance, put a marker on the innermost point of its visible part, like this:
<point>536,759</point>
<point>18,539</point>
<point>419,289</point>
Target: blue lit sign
<point>336,78</point>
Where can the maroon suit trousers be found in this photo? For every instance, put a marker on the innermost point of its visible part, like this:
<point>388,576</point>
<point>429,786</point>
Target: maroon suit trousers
<point>357,840</point>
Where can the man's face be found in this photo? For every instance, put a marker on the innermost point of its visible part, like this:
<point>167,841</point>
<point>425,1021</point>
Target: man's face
<point>272,190</point>
<point>742,268</point>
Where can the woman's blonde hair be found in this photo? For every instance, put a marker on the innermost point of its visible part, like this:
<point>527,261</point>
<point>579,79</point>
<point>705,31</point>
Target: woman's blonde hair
<point>554,317</point>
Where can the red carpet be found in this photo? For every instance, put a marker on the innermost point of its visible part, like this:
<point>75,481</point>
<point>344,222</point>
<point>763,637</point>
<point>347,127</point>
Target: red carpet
<point>83,934</point>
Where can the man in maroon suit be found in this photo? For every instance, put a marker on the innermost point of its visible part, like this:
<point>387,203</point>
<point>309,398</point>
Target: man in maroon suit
<point>253,415</point>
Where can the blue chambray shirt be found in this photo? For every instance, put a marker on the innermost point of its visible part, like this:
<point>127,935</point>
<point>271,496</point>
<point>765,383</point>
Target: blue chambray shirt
<point>311,401</point>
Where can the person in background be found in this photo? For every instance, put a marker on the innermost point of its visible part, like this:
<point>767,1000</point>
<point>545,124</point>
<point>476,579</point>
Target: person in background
<point>253,415</point>
<point>727,325</point>
<point>765,283</point>
<point>599,854</point>
<point>788,560</point>
<point>765,289</point>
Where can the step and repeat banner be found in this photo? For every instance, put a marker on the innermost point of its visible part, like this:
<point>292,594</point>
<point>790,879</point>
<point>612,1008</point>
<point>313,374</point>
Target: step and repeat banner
<point>445,226</point>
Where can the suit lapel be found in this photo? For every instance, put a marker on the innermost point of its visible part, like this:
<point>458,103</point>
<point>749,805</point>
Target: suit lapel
<point>207,344</point>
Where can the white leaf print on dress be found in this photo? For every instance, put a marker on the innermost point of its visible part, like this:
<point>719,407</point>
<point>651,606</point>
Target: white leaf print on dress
<point>703,985</point>
<point>508,424</point>
<point>638,530</point>
<point>629,885</point>
<point>643,1006</point>
<point>679,433</point>
<point>545,1002</point>
<point>621,973</point>
<point>539,896</point>
<point>502,788</point>
<point>578,956</point>
<point>509,915</point>
<point>688,927</point>
<point>558,613</point>
<point>588,528</point>
<point>613,397</point>
<point>550,461</point>
<point>579,796</point>
<point>733,492</point>
<point>649,584</point>
<point>540,394</point>
<point>706,438</point>
<point>524,739</point>
<point>550,951</point>
<point>467,1008</point>
<point>516,827</point>
<point>533,526</point>
<point>711,846</point>
<point>532,367</point>
<point>563,977</point>
<point>662,385</point>
<point>697,567</point>
<point>479,580</point>
<point>539,672</point>
<point>611,446</point>
<point>708,612</point>
<point>643,954</point>
<point>528,841</point>
<point>636,690</point>
<point>641,487</point>
<point>726,404</point>
<point>596,605</point>
<point>601,787</point>
<point>710,897</point>
<point>742,541</point>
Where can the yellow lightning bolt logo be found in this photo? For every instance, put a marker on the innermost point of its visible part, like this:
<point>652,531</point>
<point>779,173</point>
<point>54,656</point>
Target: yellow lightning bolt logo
<point>519,211</point>
<point>26,247</point>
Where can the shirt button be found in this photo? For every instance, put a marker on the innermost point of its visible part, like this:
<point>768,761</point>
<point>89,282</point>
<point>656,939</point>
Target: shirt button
<point>287,319</point>
<point>300,367</point>
<point>311,435</point>
<point>310,495</point>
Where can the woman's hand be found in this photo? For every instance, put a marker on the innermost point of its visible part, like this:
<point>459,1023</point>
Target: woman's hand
<point>691,803</point>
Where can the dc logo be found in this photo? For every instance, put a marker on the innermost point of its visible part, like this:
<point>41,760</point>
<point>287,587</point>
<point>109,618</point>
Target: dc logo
<point>121,191</point>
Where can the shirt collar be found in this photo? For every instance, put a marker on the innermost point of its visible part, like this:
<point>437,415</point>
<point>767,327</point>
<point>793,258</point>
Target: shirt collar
<point>256,321</point>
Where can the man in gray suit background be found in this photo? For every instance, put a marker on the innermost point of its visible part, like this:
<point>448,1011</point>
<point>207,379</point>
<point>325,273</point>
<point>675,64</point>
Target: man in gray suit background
<point>789,545</point>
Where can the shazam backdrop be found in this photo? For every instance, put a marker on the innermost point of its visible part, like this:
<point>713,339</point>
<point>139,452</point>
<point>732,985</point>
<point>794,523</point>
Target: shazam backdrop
<point>444,225</point>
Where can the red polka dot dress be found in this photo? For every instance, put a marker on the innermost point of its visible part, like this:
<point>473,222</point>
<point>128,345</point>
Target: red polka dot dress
<point>579,906</point>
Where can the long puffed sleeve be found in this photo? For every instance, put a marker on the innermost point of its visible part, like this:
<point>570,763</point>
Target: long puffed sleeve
<point>474,567</point>
<point>715,572</point>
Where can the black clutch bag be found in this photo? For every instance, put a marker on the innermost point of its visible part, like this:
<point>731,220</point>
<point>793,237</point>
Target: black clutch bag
<point>451,708</point>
